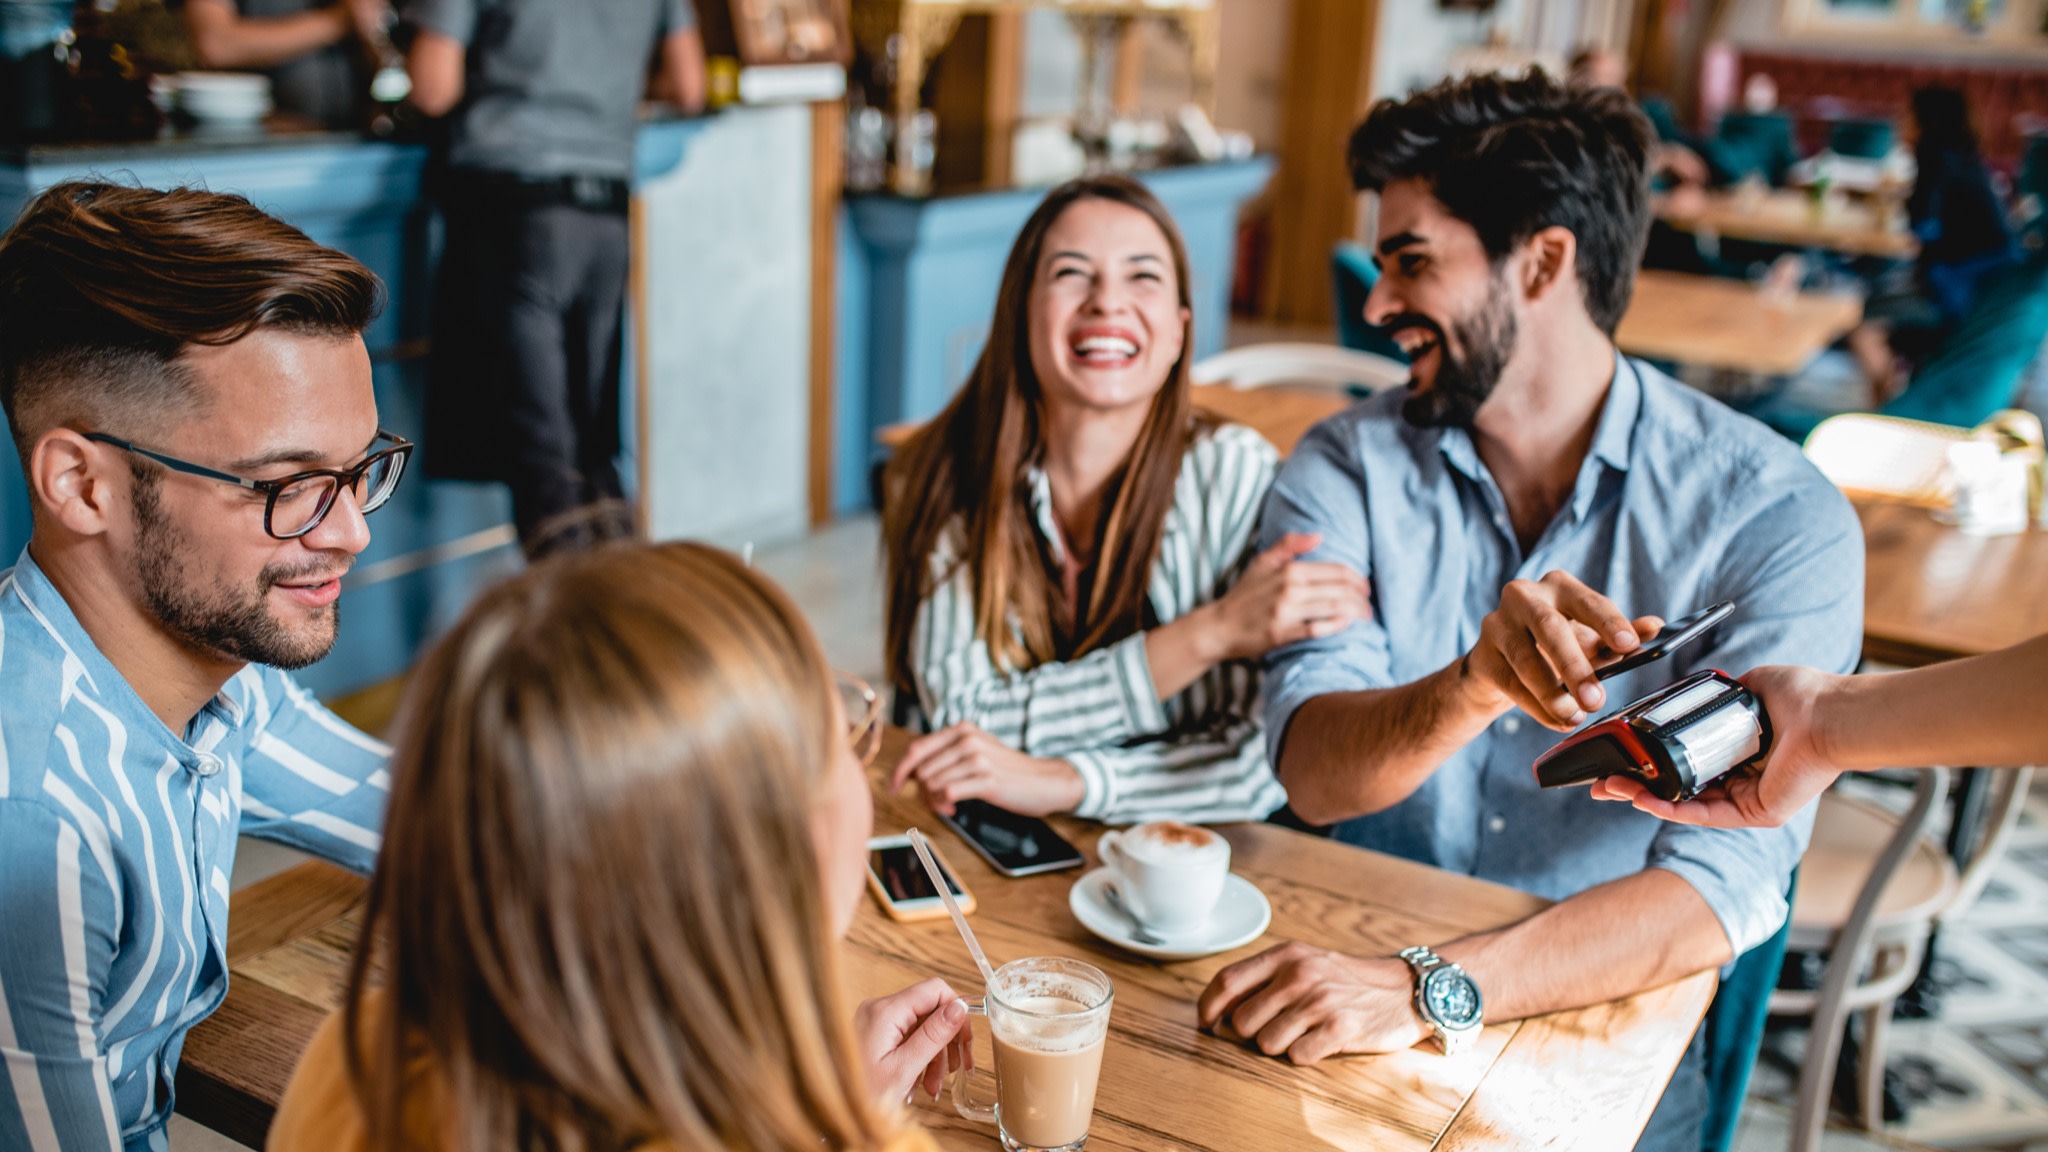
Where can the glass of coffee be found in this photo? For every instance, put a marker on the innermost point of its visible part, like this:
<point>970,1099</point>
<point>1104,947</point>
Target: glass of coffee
<point>1049,1018</point>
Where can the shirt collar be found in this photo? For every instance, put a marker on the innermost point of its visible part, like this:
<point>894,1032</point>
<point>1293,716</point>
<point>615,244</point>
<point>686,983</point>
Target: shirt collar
<point>1041,513</point>
<point>48,605</point>
<point>1613,439</point>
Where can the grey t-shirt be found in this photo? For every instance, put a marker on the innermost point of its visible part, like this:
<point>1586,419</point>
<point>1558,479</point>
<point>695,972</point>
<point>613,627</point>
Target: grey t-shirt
<point>552,86</point>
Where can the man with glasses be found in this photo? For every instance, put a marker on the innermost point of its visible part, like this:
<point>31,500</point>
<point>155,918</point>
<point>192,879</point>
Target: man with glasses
<point>186,384</point>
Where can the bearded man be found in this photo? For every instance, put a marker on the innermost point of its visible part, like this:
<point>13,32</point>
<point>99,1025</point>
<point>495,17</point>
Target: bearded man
<point>186,383</point>
<point>1529,508</point>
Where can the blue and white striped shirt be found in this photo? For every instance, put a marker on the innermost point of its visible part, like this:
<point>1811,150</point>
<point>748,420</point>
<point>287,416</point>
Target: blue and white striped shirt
<point>117,837</point>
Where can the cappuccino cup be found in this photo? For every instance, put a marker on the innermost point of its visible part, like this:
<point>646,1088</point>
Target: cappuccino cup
<point>1169,874</point>
<point>1049,1018</point>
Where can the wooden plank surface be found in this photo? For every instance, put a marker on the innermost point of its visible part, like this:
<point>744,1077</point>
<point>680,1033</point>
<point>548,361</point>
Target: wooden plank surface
<point>1789,216</point>
<point>1720,323</point>
<point>1932,592</point>
<point>1584,1079</point>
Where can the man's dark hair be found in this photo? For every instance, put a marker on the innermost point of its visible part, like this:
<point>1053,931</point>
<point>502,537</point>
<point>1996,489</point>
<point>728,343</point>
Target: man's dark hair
<point>103,286</point>
<point>1512,156</point>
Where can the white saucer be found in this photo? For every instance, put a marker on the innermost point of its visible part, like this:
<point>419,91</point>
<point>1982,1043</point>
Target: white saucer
<point>1241,917</point>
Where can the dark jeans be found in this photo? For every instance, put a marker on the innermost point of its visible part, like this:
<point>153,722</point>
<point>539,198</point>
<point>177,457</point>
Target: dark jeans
<point>528,339</point>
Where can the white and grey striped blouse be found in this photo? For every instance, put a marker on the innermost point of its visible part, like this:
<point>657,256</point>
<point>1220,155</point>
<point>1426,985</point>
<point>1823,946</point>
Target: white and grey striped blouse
<point>1199,756</point>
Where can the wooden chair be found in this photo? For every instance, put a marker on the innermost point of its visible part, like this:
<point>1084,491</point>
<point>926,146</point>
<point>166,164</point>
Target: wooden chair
<point>1873,886</point>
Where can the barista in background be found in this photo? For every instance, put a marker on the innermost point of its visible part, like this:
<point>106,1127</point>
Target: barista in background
<point>541,99</point>
<point>313,54</point>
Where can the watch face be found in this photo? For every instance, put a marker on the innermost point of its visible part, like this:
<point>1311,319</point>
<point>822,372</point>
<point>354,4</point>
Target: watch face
<point>1452,998</point>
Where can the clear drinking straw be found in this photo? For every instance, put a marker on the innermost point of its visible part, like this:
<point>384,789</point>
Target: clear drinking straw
<point>931,867</point>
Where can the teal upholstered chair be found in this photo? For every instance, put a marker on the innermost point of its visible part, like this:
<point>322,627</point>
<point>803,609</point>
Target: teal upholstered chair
<point>1978,368</point>
<point>1862,139</point>
<point>1753,143</point>
<point>1355,275</point>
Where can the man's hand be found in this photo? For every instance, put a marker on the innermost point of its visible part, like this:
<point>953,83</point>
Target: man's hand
<point>964,763</point>
<point>912,1039</point>
<point>1282,599</point>
<point>1538,650</point>
<point>1308,1003</point>
<point>1798,768</point>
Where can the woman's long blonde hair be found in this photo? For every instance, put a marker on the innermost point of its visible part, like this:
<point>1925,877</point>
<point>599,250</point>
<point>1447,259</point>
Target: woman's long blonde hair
<point>598,906</point>
<point>968,471</point>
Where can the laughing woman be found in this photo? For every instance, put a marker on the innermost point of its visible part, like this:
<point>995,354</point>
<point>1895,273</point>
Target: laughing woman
<point>1073,600</point>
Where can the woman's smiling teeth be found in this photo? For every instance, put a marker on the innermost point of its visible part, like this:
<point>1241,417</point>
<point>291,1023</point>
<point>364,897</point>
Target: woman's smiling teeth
<point>1105,349</point>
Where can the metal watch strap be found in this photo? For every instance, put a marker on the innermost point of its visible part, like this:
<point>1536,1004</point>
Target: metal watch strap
<point>1422,960</point>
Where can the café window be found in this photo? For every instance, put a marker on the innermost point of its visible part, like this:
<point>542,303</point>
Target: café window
<point>2007,22</point>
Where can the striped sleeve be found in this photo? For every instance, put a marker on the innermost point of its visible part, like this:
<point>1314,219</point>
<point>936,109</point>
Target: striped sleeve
<point>311,780</point>
<point>1199,778</point>
<point>62,921</point>
<point>1106,696</point>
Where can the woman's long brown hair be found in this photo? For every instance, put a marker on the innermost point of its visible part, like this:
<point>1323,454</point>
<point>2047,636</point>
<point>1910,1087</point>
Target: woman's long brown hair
<point>598,906</point>
<point>969,471</point>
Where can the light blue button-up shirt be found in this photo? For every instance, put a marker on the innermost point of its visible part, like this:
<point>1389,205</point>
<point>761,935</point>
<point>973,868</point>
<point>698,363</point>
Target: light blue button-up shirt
<point>117,837</point>
<point>1680,504</point>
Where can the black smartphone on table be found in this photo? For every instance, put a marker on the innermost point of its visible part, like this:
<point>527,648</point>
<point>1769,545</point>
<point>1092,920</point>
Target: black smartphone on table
<point>1680,631</point>
<point>1013,845</point>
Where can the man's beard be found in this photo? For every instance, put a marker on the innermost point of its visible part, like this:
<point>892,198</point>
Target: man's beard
<point>226,621</point>
<point>1485,339</point>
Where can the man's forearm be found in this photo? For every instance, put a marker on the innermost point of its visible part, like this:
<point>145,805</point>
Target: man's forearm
<point>1625,936</point>
<point>222,38</point>
<point>1350,754</point>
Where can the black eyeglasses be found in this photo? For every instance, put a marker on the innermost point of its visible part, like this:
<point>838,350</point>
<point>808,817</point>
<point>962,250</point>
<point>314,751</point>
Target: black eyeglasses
<point>295,505</point>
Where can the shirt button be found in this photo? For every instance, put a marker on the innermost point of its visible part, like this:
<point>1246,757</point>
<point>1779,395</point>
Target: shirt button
<point>1511,724</point>
<point>207,765</point>
<point>1496,823</point>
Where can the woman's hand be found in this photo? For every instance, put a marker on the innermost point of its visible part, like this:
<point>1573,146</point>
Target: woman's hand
<point>964,763</point>
<point>1797,770</point>
<point>912,1039</point>
<point>1281,599</point>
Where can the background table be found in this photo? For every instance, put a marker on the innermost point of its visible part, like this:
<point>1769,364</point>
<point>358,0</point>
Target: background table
<point>1586,1079</point>
<point>1788,216</point>
<point>1721,323</point>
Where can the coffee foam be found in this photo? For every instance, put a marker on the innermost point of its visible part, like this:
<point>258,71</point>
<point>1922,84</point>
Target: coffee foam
<point>1166,841</point>
<point>1050,1024</point>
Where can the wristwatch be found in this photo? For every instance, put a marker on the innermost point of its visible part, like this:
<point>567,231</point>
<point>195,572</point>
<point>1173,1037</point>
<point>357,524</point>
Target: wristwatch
<point>1446,998</point>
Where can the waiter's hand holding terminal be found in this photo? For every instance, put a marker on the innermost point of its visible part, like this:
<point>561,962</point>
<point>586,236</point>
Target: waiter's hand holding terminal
<point>1984,712</point>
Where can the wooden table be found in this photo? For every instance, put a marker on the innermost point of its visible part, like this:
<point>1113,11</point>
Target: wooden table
<point>1584,1080</point>
<point>1721,323</point>
<point>1933,592</point>
<point>1788,216</point>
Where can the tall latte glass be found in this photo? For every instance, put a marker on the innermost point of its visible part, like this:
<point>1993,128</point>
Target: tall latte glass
<point>1049,1018</point>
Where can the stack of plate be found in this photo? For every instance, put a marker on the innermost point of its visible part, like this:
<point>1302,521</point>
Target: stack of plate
<point>223,97</point>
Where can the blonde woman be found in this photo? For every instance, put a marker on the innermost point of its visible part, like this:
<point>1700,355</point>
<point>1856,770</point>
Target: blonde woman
<point>627,830</point>
<point>1074,601</point>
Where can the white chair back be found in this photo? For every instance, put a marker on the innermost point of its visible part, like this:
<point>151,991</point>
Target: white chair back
<point>1263,365</point>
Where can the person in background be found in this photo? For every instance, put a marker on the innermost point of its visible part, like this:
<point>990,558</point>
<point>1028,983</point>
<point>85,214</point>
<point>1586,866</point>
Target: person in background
<point>1529,483</point>
<point>1675,160</point>
<point>1960,222</point>
<point>1984,711</point>
<point>187,386</point>
<point>1074,603</point>
<point>541,99</point>
<point>313,53</point>
<point>628,829</point>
